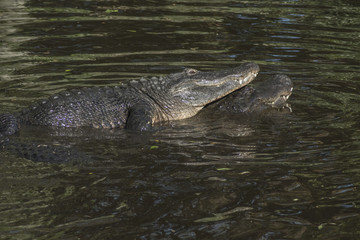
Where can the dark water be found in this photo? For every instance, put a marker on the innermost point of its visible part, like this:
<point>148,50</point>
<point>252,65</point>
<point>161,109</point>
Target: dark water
<point>215,176</point>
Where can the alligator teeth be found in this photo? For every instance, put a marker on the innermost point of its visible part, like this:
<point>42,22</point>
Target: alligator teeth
<point>291,89</point>
<point>247,78</point>
<point>288,106</point>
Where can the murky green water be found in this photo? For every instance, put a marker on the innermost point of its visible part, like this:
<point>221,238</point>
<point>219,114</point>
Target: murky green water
<point>215,176</point>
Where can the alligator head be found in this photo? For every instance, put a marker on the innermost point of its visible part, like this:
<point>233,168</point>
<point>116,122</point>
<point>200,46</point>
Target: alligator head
<point>272,93</point>
<point>197,89</point>
<point>182,95</point>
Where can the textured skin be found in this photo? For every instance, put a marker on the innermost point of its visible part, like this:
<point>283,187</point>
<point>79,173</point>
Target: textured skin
<point>137,105</point>
<point>8,124</point>
<point>96,107</point>
<point>270,94</point>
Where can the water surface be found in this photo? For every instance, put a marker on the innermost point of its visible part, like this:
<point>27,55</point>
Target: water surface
<point>215,176</point>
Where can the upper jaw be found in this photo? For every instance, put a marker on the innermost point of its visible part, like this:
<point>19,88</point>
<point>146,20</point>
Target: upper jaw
<point>242,78</point>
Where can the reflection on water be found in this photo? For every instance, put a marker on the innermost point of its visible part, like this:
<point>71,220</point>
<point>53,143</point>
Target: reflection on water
<point>215,176</point>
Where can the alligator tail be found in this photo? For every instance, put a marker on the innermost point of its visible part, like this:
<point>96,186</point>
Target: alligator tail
<point>9,124</point>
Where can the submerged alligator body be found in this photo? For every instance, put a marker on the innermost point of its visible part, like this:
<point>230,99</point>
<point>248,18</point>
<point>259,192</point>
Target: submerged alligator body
<point>137,105</point>
<point>270,94</point>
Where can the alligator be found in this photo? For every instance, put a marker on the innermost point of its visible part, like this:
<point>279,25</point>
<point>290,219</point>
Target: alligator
<point>138,105</point>
<point>270,94</point>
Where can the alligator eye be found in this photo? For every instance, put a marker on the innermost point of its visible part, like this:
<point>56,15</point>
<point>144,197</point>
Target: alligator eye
<point>191,71</point>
